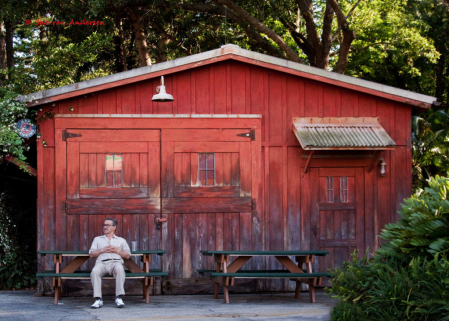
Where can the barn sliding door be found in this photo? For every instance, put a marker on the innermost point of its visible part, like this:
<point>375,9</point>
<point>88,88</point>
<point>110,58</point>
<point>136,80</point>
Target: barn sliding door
<point>109,173</point>
<point>337,219</point>
<point>206,195</point>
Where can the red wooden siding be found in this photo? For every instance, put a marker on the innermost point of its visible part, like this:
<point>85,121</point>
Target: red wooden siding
<point>286,203</point>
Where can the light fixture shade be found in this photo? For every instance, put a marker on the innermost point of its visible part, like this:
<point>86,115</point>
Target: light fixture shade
<point>161,94</point>
<point>383,167</point>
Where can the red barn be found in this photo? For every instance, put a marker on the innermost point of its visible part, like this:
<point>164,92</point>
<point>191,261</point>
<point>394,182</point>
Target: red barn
<point>254,153</point>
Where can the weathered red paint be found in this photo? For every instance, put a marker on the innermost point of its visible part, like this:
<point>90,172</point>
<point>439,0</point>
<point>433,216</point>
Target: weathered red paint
<point>269,169</point>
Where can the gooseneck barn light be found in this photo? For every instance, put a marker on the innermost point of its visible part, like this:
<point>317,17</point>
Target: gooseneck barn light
<point>383,167</point>
<point>161,94</point>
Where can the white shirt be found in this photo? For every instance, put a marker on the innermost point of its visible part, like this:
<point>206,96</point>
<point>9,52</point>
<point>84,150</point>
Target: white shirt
<point>102,241</point>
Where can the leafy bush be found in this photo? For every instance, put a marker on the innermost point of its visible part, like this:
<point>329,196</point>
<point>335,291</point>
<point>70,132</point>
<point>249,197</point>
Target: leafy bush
<point>423,229</point>
<point>10,111</point>
<point>17,269</point>
<point>17,229</point>
<point>390,289</point>
<point>408,278</point>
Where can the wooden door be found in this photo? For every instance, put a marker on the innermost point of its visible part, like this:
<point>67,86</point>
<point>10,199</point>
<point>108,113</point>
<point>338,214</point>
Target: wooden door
<point>337,220</point>
<point>109,173</point>
<point>207,195</point>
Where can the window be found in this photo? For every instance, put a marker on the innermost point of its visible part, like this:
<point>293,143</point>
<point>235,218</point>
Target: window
<point>343,189</point>
<point>113,169</point>
<point>329,189</point>
<point>206,166</point>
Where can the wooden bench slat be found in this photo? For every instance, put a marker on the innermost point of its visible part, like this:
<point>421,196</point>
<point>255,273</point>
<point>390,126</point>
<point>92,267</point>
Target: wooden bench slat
<point>83,271</point>
<point>87,274</point>
<point>248,271</point>
<point>72,253</point>
<point>269,275</point>
<point>266,253</point>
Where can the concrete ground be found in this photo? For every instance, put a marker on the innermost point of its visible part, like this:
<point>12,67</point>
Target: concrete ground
<point>22,305</point>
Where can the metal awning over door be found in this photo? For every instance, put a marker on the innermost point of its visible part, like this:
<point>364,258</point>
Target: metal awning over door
<point>341,133</point>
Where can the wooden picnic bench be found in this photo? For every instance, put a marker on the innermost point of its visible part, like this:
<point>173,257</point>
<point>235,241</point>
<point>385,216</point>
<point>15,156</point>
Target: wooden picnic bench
<point>70,271</point>
<point>225,274</point>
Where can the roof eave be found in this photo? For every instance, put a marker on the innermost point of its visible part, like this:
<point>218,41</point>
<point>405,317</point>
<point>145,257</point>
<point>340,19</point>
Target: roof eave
<point>419,101</point>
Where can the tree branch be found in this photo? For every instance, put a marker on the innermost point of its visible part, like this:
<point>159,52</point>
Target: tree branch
<point>306,9</point>
<point>139,31</point>
<point>32,171</point>
<point>165,34</point>
<point>259,26</point>
<point>326,36</point>
<point>347,16</point>
<point>299,38</point>
<point>348,37</point>
<point>251,32</point>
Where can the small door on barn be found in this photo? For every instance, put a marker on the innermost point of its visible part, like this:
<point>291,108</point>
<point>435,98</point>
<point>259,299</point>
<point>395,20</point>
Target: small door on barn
<point>206,195</point>
<point>337,219</point>
<point>111,173</point>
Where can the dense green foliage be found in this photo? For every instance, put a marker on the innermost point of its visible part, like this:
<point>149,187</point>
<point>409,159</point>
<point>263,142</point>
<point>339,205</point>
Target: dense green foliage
<point>390,289</point>
<point>17,227</point>
<point>423,229</point>
<point>407,279</point>
<point>10,112</point>
<point>430,142</point>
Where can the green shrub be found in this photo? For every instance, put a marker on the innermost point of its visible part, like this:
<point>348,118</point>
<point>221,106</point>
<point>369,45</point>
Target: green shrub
<point>408,277</point>
<point>423,229</point>
<point>390,289</point>
<point>17,229</point>
<point>17,269</point>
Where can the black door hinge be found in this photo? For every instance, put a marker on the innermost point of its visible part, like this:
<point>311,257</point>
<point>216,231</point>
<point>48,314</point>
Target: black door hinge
<point>253,204</point>
<point>66,135</point>
<point>251,134</point>
<point>64,207</point>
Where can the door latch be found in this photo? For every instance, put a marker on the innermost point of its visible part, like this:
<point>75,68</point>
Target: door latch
<point>159,222</point>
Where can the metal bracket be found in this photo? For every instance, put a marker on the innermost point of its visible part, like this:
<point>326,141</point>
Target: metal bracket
<point>253,204</point>
<point>374,159</point>
<point>308,161</point>
<point>251,134</point>
<point>66,135</point>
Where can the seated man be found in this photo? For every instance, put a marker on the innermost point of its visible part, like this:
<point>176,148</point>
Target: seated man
<point>110,250</point>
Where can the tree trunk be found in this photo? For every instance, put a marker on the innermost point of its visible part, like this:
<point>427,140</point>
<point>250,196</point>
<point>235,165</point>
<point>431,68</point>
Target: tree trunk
<point>141,40</point>
<point>131,59</point>
<point>348,37</point>
<point>161,49</point>
<point>3,58</point>
<point>9,26</point>
<point>120,49</point>
<point>345,46</point>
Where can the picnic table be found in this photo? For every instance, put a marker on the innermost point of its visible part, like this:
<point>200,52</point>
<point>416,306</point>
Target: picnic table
<point>225,274</point>
<point>80,257</point>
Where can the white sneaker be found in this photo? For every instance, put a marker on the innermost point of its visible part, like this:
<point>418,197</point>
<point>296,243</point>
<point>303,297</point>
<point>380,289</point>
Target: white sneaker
<point>119,302</point>
<point>97,304</point>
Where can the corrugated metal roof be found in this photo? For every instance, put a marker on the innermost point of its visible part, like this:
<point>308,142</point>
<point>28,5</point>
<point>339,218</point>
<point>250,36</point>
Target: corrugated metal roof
<point>364,133</point>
